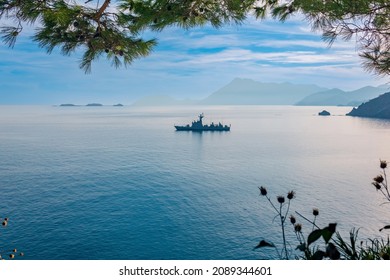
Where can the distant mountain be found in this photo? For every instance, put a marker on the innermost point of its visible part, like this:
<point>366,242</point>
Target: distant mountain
<point>375,108</point>
<point>162,100</point>
<point>338,97</point>
<point>250,92</point>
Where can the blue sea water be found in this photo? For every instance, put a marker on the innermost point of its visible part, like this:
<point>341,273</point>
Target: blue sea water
<point>121,183</point>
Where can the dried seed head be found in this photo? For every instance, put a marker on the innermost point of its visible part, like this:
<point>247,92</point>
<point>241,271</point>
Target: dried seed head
<point>298,227</point>
<point>379,179</point>
<point>292,219</point>
<point>281,199</point>
<point>383,164</point>
<point>4,223</point>
<point>11,256</point>
<point>377,186</point>
<point>263,191</point>
<point>315,212</point>
<point>291,195</point>
<point>14,250</point>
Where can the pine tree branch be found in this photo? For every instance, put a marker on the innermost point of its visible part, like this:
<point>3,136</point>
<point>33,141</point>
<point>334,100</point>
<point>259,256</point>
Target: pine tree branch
<point>102,9</point>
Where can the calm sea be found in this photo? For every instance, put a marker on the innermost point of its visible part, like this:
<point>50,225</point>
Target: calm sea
<point>121,183</point>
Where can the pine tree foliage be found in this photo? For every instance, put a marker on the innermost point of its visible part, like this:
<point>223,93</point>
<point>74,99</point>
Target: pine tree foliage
<point>367,22</point>
<point>110,28</point>
<point>114,28</point>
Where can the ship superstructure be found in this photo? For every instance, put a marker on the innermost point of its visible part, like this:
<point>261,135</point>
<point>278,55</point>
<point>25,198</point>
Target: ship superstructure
<point>199,126</point>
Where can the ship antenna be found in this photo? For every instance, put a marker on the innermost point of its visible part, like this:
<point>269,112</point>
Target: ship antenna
<point>200,118</point>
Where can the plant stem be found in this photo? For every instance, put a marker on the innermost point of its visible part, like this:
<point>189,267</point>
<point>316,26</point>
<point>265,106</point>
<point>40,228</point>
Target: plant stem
<point>288,209</point>
<point>282,219</point>
<point>314,225</point>
<point>386,185</point>
<point>314,222</point>
<point>276,209</point>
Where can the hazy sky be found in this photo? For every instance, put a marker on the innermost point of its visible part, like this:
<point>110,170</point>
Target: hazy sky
<point>185,64</point>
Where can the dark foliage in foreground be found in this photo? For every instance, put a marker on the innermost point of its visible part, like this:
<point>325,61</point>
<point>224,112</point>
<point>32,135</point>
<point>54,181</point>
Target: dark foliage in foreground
<point>327,242</point>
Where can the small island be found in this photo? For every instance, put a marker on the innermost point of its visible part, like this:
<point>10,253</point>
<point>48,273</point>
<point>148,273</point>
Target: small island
<point>118,105</point>
<point>94,104</point>
<point>67,105</point>
<point>324,113</point>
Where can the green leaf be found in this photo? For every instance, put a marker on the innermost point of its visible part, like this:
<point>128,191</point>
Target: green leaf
<point>318,255</point>
<point>385,227</point>
<point>314,236</point>
<point>301,247</point>
<point>332,227</point>
<point>332,252</point>
<point>264,243</point>
<point>328,231</point>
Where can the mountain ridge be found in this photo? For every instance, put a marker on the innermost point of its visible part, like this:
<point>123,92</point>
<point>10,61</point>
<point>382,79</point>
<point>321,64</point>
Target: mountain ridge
<point>338,97</point>
<point>378,107</point>
<point>241,91</point>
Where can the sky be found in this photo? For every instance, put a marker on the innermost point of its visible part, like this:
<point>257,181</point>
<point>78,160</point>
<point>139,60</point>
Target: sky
<point>185,64</point>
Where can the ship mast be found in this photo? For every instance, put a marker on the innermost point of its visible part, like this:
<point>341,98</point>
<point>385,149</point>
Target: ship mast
<point>200,118</point>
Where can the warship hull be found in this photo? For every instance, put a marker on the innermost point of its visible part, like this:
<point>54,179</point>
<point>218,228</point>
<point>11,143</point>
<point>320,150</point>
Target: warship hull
<point>189,128</point>
<point>198,126</point>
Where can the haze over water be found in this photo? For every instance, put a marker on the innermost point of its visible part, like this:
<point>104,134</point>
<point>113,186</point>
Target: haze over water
<point>121,183</point>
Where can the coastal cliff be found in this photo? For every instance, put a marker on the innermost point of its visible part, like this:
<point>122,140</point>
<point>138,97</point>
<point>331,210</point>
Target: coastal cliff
<point>375,108</point>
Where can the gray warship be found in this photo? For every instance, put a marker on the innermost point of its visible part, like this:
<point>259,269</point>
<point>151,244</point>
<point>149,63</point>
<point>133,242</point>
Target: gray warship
<point>199,126</point>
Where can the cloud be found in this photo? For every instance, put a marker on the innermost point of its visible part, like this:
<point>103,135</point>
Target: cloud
<point>287,57</point>
<point>187,63</point>
<point>305,44</point>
